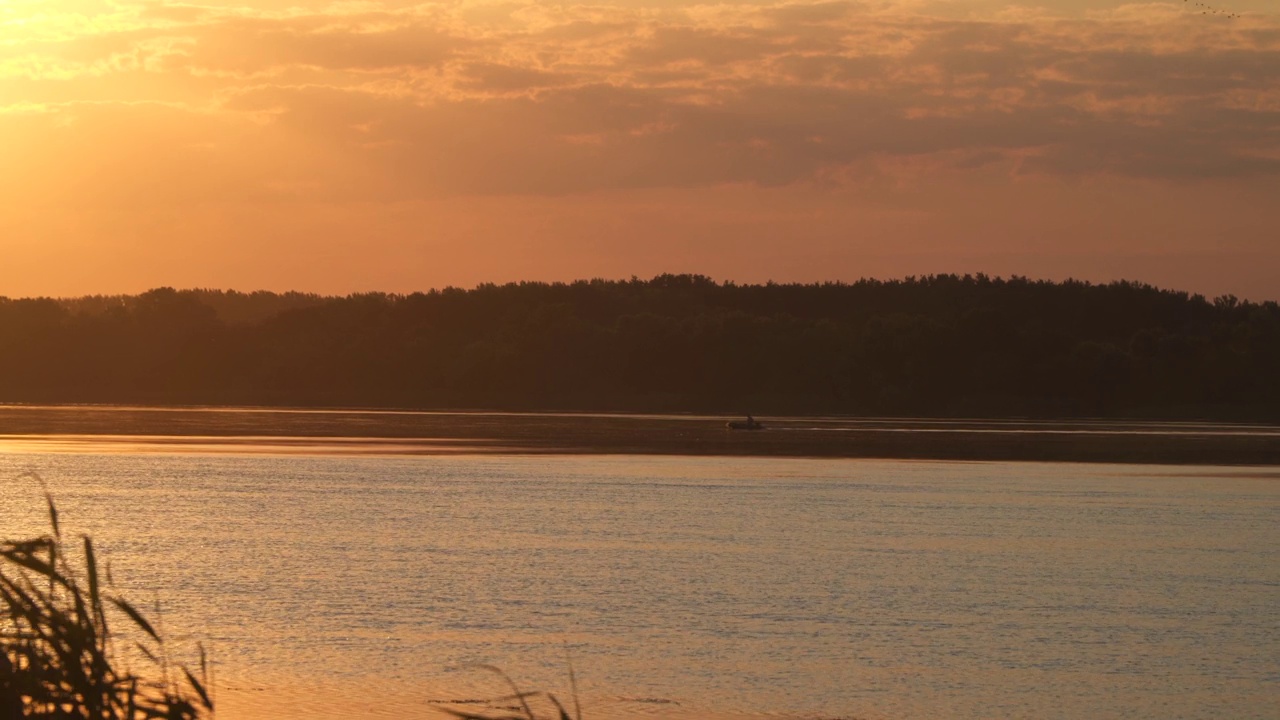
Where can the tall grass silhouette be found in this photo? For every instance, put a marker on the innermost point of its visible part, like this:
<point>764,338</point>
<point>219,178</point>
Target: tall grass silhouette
<point>66,642</point>
<point>60,645</point>
<point>517,706</point>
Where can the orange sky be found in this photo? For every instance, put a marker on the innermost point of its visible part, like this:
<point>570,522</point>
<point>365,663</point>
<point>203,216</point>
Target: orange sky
<point>346,146</point>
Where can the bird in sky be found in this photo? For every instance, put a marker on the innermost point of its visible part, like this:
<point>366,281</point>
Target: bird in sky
<point>1211,10</point>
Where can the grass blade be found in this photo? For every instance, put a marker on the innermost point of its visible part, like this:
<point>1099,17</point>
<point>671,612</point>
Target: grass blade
<point>199,688</point>
<point>515,689</point>
<point>137,618</point>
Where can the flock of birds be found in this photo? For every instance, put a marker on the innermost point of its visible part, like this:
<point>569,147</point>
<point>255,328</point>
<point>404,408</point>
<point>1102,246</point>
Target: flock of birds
<point>1211,10</point>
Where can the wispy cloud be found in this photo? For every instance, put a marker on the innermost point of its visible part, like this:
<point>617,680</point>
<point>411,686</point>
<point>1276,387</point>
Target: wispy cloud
<point>528,98</point>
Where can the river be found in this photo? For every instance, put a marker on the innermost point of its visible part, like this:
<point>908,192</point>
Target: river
<point>331,583</point>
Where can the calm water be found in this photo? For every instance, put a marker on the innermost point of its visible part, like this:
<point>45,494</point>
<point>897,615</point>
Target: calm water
<point>690,586</point>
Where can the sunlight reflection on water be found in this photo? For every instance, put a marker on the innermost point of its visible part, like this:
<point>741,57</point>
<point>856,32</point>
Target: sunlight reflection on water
<point>683,586</point>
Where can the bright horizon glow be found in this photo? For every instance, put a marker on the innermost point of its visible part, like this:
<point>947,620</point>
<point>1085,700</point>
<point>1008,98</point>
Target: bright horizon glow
<point>338,147</point>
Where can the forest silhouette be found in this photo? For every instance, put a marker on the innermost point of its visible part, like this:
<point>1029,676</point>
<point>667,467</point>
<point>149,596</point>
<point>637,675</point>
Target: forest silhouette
<point>942,345</point>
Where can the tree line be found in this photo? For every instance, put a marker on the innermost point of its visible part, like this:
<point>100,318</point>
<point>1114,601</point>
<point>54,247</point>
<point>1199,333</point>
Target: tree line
<point>941,345</point>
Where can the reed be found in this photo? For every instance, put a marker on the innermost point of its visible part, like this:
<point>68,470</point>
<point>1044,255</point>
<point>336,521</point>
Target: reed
<point>517,705</point>
<point>60,632</point>
<point>62,629</point>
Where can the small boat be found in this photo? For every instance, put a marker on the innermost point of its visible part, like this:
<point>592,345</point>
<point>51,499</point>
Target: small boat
<point>749,424</point>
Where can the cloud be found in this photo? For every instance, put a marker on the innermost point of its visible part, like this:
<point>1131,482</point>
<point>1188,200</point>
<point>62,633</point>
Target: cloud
<point>360,44</point>
<point>389,102</point>
<point>493,77</point>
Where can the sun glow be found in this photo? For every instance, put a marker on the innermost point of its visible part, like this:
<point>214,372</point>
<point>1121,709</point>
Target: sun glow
<point>397,145</point>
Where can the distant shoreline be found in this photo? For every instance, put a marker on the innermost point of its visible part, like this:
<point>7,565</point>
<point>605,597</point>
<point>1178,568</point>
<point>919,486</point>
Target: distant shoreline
<point>937,345</point>
<point>405,432</point>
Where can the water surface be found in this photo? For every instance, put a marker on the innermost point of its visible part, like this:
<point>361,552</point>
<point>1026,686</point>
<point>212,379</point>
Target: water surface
<point>691,586</point>
<point>419,432</point>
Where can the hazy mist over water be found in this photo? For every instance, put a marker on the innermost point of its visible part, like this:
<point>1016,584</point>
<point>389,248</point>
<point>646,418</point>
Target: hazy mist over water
<point>691,586</point>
